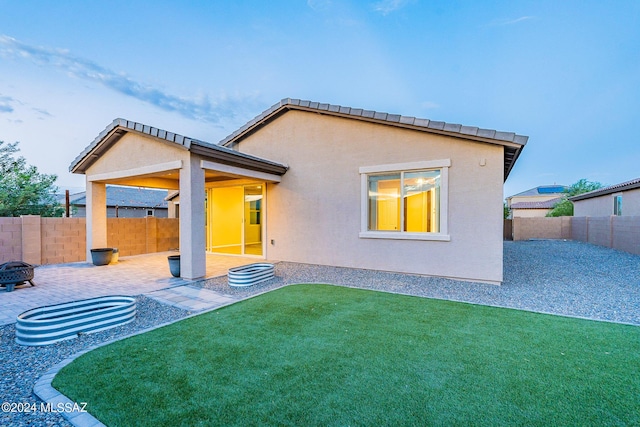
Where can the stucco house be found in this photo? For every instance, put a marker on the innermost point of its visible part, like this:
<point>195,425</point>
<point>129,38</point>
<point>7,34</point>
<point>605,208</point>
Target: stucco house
<point>535,202</point>
<point>125,202</point>
<point>619,200</point>
<point>324,184</point>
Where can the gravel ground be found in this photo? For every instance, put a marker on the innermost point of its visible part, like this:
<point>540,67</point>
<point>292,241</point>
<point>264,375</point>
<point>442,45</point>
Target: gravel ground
<point>548,276</point>
<point>567,278</point>
<point>21,366</point>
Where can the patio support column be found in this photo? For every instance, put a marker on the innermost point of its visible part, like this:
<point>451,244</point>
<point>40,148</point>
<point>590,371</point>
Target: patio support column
<point>193,261</point>
<point>96,216</point>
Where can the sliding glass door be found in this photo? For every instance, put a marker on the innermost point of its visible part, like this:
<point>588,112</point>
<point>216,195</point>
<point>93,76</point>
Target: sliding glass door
<point>234,220</point>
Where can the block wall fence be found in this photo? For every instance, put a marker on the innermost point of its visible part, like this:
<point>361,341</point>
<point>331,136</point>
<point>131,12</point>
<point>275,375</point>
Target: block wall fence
<point>40,241</point>
<point>617,232</point>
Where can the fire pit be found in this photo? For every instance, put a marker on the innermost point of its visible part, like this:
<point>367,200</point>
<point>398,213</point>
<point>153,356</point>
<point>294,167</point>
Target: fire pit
<point>15,273</point>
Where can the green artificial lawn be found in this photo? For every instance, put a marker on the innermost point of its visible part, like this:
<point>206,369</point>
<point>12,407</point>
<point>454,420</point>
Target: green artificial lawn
<point>326,355</point>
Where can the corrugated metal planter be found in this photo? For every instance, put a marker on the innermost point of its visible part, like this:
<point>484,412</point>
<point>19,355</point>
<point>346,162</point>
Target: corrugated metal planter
<point>53,323</point>
<point>251,274</point>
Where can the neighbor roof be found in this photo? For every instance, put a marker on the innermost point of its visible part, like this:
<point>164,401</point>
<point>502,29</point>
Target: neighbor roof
<point>543,190</point>
<point>629,185</point>
<point>547,204</point>
<point>513,143</point>
<point>131,197</point>
<point>119,127</point>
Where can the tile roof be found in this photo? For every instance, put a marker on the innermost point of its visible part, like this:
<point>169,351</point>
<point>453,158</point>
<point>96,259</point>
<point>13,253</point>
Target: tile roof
<point>119,127</point>
<point>543,190</point>
<point>547,204</point>
<point>629,185</point>
<point>132,197</point>
<point>512,142</point>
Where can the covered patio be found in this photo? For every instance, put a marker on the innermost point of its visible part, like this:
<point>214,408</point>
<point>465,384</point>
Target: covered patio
<point>132,154</point>
<point>133,275</point>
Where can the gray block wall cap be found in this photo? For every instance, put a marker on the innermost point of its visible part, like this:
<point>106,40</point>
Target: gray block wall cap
<point>323,107</point>
<point>305,103</point>
<point>393,118</point>
<point>521,139</point>
<point>334,108</point>
<point>380,116</point>
<point>356,112</point>
<point>170,136</point>
<point>344,110</point>
<point>368,114</point>
<point>138,127</point>
<point>436,125</point>
<point>314,105</point>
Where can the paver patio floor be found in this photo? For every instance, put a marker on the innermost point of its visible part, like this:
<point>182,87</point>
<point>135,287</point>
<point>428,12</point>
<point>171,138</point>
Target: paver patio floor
<point>133,275</point>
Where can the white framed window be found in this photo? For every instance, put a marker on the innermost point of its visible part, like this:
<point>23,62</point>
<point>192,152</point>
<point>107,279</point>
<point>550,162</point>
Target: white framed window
<point>617,205</point>
<point>405,200</point>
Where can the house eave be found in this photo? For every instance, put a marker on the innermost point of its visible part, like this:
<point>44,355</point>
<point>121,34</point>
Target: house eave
<point>119,127</point>
<point>512,143</point>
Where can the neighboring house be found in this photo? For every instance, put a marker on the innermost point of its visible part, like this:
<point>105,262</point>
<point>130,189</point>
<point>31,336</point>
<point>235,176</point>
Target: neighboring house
<point>619,200</point>
<point>173,202</point>
<point>321,184</point>
<point>536,202</point>
<point>125,202</point>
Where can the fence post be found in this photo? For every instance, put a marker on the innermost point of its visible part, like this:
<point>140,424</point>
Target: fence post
<point>31,239</point>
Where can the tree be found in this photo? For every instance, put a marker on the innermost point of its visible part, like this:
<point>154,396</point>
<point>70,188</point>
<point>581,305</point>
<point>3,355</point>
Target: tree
<point>565,207</point>
<point>23,190</point>
<point>507,211</point>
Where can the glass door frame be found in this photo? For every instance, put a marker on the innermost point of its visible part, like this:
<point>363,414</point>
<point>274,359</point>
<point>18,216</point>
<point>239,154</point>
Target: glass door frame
<point>263,216</point>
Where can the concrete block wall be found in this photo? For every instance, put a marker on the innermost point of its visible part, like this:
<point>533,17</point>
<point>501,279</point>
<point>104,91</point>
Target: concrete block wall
<point>541,228</point>
<point>579,228</point>
<point>128,235</point>
<point>626,233</point>
<point>39,240</point>
<point>599,231</point>
<point>62,240</point>
<point>617,232</point>
<point>10,239</point>
<point>168,234</point>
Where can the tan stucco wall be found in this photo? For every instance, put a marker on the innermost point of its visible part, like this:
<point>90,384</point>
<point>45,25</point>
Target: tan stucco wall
<point>519,199</point>
<point>603,205</point>
<point>529,213</point>
<point>134,151</point>
<point>598,206</point>
<point>313,215</point>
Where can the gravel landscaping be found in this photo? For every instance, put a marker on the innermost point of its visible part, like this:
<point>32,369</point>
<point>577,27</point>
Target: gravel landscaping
<point>567,278</point>
<point>21,366</point>
<point>547,276</point>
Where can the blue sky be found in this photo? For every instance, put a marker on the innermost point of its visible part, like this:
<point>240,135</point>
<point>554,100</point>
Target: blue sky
<point>564,73</point>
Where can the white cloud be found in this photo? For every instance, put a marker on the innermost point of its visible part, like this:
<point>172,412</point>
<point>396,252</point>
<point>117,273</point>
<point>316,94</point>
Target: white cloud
<point>319,4</point>
<point>502,22</point>
<point>385,7</point>
<point>202,108</point>
<point>429,105</point>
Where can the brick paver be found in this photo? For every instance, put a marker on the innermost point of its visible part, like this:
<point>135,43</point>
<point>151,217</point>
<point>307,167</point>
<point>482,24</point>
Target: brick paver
<point>133,275</point>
